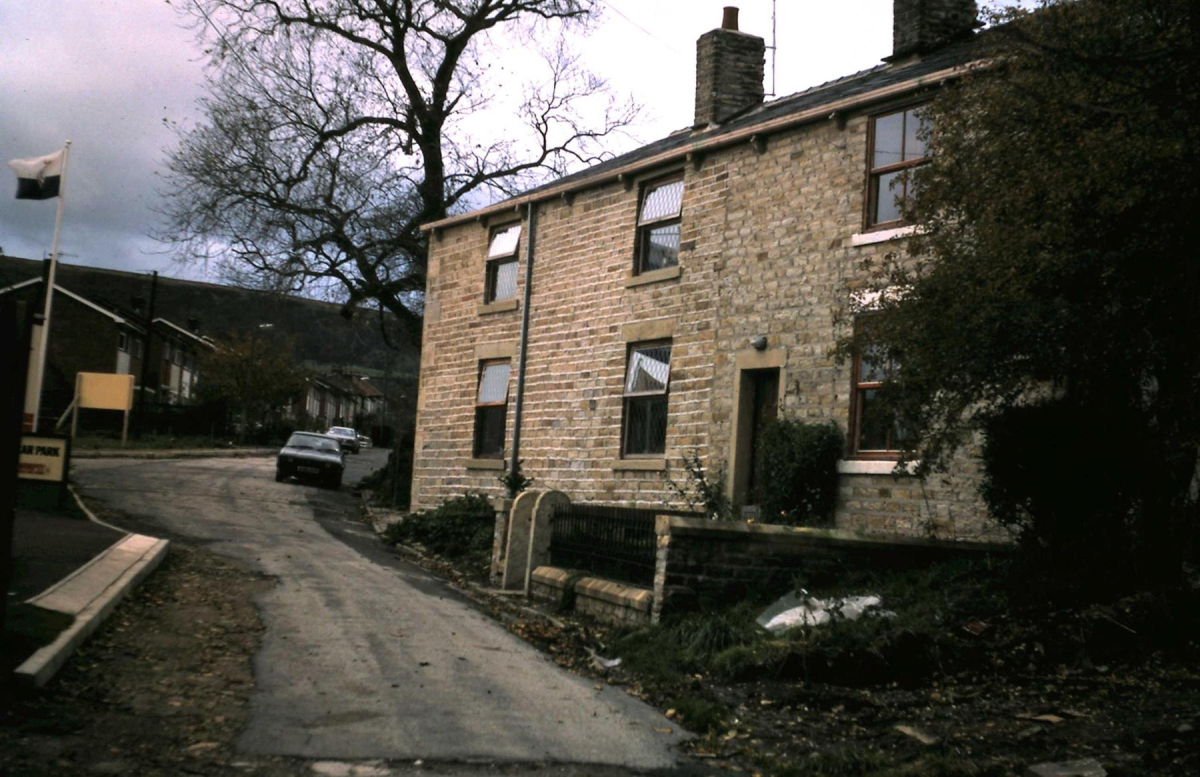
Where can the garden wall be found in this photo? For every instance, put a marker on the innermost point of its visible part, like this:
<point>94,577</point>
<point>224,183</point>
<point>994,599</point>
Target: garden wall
<point>700,561</point>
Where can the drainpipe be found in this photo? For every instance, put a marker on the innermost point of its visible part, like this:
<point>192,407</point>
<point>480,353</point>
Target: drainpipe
<point>531,219</point>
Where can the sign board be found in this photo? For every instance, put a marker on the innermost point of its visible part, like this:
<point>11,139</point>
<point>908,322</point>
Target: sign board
<point>105,391</point>
<point>43,458</point>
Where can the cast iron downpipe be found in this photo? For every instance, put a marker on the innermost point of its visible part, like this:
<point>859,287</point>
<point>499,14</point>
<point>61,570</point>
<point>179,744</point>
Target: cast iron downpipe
<point>514,466</point>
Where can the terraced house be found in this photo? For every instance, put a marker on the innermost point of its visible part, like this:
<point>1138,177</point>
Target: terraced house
<point>603,327</point>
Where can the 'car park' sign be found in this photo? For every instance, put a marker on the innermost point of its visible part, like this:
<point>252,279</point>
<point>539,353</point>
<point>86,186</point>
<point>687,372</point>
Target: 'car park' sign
<point>43,458</point>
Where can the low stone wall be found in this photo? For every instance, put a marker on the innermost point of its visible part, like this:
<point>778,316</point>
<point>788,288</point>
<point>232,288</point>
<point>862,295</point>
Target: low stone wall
<point>602,599</point>
<point>700,560</point>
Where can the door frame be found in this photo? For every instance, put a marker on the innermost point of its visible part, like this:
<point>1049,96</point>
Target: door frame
<point>744,362</point>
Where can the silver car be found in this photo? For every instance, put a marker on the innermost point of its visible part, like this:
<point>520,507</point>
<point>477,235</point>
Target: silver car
<point>346,436</point>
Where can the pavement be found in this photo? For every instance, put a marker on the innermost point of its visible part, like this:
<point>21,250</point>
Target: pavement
<point>77,567</point>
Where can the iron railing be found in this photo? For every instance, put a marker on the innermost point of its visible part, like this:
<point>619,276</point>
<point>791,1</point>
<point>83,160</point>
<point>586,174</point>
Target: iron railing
<point>614,542</point>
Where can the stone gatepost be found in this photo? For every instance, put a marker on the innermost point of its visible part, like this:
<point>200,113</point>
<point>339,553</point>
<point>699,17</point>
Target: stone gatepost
<point>516,556</point>
<point>539,530</point>
<point>502,506</point>
<point>662,552</point>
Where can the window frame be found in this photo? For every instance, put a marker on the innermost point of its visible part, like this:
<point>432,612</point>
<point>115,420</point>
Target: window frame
<point>870,191</point>
<point>123,341</point>
<point>858,387</point>
<point>481,407</point>
<point>644,228</point>
<point>627,399</point>
<point>493,263</point>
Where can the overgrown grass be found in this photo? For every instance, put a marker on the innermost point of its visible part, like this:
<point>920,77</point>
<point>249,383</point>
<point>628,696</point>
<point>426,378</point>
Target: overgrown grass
<point>925,637</point>
<point>458,529</point>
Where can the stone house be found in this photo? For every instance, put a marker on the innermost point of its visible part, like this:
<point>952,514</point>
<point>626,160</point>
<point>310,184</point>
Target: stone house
<point>603,327</point>
<point>339,399</point>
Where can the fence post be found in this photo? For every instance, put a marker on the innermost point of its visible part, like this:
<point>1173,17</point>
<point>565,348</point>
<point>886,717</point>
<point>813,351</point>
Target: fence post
<point>539,531</point>
<point>516,556</point>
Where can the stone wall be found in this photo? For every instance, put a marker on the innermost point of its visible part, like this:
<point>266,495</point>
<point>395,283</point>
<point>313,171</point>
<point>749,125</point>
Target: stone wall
<point>700,561</point>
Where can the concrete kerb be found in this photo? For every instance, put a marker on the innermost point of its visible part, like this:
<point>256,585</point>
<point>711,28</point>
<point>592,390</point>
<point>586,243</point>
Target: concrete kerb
<point>90,594</point>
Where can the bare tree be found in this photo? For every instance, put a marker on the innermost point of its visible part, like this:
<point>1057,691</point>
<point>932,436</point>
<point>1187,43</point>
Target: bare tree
<point>333,129</point>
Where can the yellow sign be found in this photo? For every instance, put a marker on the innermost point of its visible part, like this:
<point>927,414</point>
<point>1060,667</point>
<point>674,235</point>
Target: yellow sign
<point>104,391</point>
<point>42,458</point>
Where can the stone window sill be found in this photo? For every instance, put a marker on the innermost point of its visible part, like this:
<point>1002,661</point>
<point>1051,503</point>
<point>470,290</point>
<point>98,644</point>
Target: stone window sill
<point>654,276</point>
<point>639,465</point>
<point>502,306</point>
<point>882,236</point>
<point>874,467</point>
<point>493,464</point>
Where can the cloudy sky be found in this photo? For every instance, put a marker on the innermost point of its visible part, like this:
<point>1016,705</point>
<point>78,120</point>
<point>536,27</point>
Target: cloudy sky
<point>110,74</point>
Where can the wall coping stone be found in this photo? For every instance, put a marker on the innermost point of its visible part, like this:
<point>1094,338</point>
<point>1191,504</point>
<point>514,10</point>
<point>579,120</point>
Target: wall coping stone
<point>552,576</point>
<point>616,593</point>
<point>807,535</point>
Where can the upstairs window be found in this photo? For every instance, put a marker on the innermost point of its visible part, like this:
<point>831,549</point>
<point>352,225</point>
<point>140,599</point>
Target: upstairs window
<point>501,283</point>
<point>875,432</point>
<point>491,409</point>
<point>647,379</point>
<point>895,146</point>
<point>658,226</point>
<point>122,341</point>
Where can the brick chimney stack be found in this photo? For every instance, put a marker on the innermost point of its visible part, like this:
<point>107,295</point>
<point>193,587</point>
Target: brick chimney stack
<point>729,71</point>
<point>920,26</point>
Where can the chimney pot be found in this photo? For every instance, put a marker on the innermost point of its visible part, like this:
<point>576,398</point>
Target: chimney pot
<point>729,19</point>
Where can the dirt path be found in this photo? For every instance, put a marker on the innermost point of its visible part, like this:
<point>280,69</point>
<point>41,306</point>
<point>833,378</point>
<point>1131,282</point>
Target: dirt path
<point>163,688</point>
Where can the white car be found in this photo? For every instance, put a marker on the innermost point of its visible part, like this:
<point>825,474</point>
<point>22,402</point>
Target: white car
<point>346,437</point>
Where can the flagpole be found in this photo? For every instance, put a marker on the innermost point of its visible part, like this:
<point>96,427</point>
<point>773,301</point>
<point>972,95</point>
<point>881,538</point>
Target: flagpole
<point>45,339</point>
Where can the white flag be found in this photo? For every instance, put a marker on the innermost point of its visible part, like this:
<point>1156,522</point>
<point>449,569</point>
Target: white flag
<point>38,179</point>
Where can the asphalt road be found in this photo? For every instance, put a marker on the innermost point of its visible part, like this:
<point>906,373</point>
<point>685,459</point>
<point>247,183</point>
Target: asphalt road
<point>366,656</point>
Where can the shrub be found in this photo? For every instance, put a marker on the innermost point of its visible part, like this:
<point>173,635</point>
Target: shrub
<point>514,481</point>
<point>797,471</point>
<point>702,492</point>
<point>458,528</point>
<point>1086,518</point>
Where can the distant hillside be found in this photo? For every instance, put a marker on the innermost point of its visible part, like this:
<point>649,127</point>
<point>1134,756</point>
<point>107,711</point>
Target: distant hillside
<point>321,333</point>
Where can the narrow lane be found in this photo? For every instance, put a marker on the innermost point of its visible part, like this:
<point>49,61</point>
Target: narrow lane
<point>365,656</point>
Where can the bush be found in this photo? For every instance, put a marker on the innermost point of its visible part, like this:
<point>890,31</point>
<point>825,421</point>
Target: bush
<point>1086,518</point>
<point>459,528</point>
<point>797,471</point>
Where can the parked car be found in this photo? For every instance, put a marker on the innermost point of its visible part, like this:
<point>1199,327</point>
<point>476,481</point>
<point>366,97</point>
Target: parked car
<point>311,456</point>
<point>364,441</point>
<point>346,436</point>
